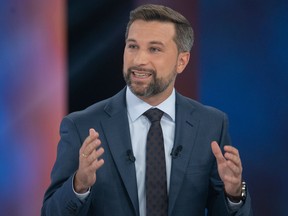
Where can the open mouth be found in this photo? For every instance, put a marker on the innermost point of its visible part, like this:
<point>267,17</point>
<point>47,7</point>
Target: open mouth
<point>141,75</point>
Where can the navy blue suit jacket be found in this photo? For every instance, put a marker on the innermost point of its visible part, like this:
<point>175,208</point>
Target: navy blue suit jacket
<point>194,182</point>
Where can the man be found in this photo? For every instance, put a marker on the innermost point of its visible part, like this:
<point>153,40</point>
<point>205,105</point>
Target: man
<point>101,166</point>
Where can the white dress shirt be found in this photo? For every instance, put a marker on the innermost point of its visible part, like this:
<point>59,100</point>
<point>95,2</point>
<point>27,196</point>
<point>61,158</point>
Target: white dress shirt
<point>139,126</point>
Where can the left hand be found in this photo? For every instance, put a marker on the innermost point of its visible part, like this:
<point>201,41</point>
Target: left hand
<point>229,168</point>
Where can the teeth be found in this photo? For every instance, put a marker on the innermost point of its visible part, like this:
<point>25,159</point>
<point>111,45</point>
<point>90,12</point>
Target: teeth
<point>141,75</point>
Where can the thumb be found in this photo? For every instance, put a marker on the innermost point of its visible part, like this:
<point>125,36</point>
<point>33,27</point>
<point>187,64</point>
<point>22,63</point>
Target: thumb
<point>217,152</point>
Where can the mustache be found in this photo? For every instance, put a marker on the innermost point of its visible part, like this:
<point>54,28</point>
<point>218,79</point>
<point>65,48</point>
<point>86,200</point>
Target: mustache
<point>153,72</point>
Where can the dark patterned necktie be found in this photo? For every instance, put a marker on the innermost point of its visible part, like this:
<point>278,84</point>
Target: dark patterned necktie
<point>155,179</point>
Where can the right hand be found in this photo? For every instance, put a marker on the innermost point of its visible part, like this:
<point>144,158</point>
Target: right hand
<point>89,162</point>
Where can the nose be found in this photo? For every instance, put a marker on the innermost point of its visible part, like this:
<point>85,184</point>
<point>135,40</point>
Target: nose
<point>141,58</point>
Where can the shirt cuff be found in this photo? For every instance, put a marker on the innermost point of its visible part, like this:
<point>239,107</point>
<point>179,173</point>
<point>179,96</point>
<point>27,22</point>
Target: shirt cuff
<point>234,206</point>
<point>81,196</point>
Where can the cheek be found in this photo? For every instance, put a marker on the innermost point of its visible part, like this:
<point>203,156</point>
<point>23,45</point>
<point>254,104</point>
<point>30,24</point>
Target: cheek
<point>166,67</point>
<point>125,60</point>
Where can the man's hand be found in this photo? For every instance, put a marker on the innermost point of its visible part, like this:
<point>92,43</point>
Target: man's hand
<point>89,162</point>
<point>229,168</point>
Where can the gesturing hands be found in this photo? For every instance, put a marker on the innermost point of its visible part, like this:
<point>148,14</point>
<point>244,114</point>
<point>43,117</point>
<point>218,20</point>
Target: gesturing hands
<point>229,168</point>
<point>89,162</point>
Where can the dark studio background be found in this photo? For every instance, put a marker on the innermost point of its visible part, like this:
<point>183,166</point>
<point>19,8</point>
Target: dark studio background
<point>95,42</point>
<point>59,56</point>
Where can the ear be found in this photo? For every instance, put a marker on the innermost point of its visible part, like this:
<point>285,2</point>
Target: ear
<point>183,59</point>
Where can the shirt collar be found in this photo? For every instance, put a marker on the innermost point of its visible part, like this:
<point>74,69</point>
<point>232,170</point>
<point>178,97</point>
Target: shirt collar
<point>136,107</point>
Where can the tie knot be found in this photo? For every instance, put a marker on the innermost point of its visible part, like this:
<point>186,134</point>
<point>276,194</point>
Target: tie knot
<point>154,114</point>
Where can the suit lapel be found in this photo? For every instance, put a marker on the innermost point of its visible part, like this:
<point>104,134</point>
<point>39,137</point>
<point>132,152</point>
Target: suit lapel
<point>116,129</point>
<point>185,133</point>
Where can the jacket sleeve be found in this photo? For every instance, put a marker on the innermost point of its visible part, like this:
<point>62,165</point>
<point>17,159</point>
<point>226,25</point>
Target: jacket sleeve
<point>60,198</point>
<point>217,202</point>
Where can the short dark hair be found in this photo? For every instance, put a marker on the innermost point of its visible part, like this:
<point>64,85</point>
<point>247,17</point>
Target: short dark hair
<point>184,36</point>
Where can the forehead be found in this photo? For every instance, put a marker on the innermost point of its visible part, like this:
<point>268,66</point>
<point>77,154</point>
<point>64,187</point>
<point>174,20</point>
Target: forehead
<point>147,31</point>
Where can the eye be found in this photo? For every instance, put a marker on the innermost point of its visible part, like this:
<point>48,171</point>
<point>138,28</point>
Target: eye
<point>132,46</point>
<point>154,49</point>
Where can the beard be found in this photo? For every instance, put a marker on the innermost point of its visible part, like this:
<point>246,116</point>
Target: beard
<point>155,87</point>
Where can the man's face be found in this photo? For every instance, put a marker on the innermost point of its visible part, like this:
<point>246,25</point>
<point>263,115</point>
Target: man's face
<point>150,59</point>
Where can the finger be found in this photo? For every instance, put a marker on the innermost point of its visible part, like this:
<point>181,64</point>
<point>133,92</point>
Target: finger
<point>94,156</point>
<point>217,152</point>
<point>232,154</point>
<point>235,168</point>
<point>99,152</point>
<point>92,136</point>
<point>97,164</point>
<point>231,150</point>
<point>90,143</point>
<point>233,158</point>
<point>91,147</point>
<point>92,132</point>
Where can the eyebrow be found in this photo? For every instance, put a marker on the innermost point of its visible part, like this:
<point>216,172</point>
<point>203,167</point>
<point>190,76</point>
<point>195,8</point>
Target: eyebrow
<point>156,43</point>
<point>151,42</point>
<point>130,40</point>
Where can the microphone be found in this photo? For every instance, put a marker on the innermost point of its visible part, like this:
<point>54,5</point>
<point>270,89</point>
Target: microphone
<point>175,153</point>
<point>130,156</point>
